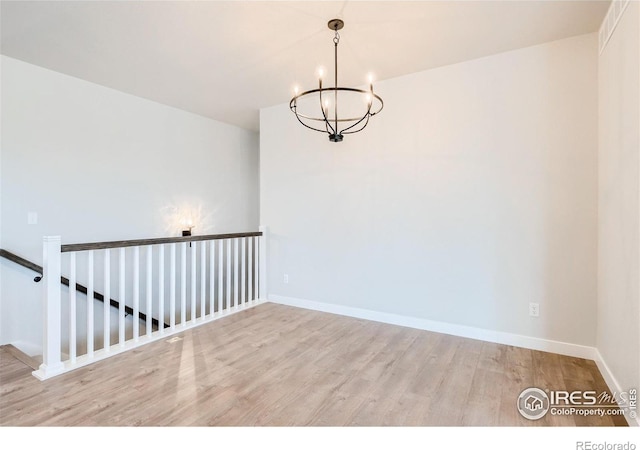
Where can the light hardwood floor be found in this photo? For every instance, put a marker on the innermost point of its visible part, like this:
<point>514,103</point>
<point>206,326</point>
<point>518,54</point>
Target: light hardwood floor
<point>276,365</point>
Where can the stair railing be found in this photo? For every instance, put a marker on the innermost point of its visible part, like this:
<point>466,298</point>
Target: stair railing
<point>182,282</point>
<point>65,281</point>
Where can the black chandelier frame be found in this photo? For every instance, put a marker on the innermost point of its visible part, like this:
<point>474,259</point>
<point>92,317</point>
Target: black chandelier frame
<point>331,124</point>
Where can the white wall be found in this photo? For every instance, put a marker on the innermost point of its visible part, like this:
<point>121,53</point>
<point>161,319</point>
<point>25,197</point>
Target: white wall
<point>97,164</point>
<point>472,194</point>
<point>618,337</point>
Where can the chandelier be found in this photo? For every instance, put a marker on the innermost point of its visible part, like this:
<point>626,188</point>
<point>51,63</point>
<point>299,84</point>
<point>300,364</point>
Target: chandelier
<point>326,100</point>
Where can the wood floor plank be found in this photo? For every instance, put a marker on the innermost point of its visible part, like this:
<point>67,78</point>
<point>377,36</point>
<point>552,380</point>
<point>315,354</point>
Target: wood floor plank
<point>274,365</point>
<point>483,401</point>
<point>518,370</point>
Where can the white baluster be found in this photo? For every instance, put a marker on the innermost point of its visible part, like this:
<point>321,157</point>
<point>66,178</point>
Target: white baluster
<point>203,278</point>
<point>136,293</point>
<point>243,270</point>
<point>212,275</point>
<point>149,322</point>
<point>221,304</point>
<point>161,289</point>
<point>90,332</point>
<point>121,300</point>
<point>194,269</point>
<point>250,264</point>
<point>256,267</point>
<point>183,283</point>
<point>228,299</point>
<point>72,308</point>
<point>51,362</point>
<point>263,248</point>
<point>172,287</point>
<point>236,272</point>
<point>107,301</point>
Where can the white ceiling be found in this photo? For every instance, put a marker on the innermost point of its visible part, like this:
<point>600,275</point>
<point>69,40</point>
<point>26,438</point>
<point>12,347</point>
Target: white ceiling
<point>226,60</point>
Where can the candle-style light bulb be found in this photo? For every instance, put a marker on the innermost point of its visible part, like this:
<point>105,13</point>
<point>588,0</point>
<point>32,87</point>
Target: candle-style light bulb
<point>370,77</point>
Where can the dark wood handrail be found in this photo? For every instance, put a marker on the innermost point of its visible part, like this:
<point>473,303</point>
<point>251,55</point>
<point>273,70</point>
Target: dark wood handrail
<point>167,240</point>
<point>22,262</point>
<point>80,288</point>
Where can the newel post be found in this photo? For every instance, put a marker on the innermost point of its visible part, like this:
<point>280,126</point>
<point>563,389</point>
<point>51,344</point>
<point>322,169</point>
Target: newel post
<point>263,276</point>
<point>51,265</point>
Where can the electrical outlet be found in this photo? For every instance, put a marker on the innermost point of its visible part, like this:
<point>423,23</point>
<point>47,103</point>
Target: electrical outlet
<point>534,309</point>
<point>286,278</point>
<point>32,218</point>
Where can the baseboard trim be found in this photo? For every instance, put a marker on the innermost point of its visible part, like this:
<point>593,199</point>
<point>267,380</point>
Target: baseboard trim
<point>613,384</point>
<point>28,348</point>
<point>498,337</point>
